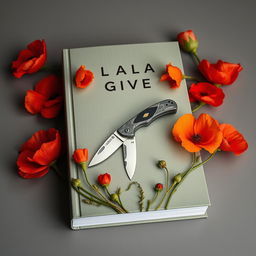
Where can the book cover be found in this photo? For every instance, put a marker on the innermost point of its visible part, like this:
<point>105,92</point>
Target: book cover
<point>126,81</point>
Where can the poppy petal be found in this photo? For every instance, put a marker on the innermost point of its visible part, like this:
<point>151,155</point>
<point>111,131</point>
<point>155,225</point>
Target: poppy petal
<point>33,175</point>
<point>48,152</point>
<point>52,108</point>
<point>233,140</point>
<point>183,128</point>
<point>164,77</point>
<point>34,101</point>
<point>26,166</point>
<point>209,131</point>
<point>38,139</point>
<point>49,86</point>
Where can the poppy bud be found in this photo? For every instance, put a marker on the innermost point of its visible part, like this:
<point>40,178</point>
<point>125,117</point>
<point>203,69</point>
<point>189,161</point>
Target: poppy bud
<point>188,41</point>
<point>159,187</point>
<point>114,197</point>
<point>76,182</point>
<point>162,164</point>
<point>177,178</point>
<point>104,179</point>
<point>80,156</point>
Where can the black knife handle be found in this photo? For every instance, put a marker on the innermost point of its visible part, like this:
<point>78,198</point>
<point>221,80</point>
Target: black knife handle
<point>147,116</point>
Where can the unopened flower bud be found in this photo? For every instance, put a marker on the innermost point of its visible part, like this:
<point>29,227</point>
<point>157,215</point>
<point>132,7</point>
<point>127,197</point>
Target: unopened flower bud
<point>177,178</point>
<point>114,197</point>
<point>162,164</point>
<point>188,41</point>
<point>76,182</point>
<point>104,179</point>
<point>159,187</point>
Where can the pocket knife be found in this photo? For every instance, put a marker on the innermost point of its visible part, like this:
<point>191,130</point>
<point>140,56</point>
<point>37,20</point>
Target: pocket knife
<point>125,135</point>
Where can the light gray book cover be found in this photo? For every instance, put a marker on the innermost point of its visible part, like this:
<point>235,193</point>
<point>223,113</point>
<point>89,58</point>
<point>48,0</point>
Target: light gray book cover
<point>126,81</point>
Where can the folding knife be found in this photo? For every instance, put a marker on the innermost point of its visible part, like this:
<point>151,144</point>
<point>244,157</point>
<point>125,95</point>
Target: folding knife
<point>125,135</point>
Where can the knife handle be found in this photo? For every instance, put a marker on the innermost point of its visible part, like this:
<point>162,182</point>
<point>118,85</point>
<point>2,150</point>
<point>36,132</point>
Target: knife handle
<point>147,116</point>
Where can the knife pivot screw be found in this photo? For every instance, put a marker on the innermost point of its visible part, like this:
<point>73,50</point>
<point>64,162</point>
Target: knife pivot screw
<point>127,130</point>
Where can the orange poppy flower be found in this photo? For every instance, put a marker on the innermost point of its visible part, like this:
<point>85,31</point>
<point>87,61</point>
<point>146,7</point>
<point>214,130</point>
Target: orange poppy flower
<point>233,141</point>
<point>80,155</point>
<point>38,153</point>
<point>173,75</point>
<point>83,77</point>
<point>47,97</point>
<point>195,134</point>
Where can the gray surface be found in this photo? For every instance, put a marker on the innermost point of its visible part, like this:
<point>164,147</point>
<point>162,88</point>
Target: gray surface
<point>34,213</point>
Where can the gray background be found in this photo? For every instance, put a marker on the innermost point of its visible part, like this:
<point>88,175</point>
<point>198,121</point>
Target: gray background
<point>34,213</point>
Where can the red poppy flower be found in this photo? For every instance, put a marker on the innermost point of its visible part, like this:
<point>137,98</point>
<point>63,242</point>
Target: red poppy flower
<point>195,134</point>
<point>233,141</point>
<point>47,97</point>
<point>80,155</point>
<point>173,75</point>
<point>31,59</point>
<point>188,41</point>
<point>224,73</point>
<point>207,93</point>
<point>104,179</point>
<point>83,77</point>
<point>38,153</point>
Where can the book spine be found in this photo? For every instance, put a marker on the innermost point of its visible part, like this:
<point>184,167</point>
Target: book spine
<point>70,124</point>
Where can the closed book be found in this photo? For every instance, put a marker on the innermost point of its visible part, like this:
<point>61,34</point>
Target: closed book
<point>126,81</point>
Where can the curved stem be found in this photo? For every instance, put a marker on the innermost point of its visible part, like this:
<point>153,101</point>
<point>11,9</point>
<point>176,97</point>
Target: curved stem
<point>201,104</point>
<point>186,173</point>
<point>167,177</point>
<point>197,59</point>
<point>191,78</point>
<point>150,202</point>
<point>169,189</point>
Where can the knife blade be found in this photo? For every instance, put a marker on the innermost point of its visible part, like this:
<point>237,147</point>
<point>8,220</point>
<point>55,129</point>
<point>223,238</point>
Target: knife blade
<point>129,156</point>
<point>125,135</point>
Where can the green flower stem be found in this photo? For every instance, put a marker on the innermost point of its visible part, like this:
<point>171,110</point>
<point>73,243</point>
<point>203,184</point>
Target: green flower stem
<point>150,202</point>
<point>86,196</point>
<point>197,59</point>
<point>45,68</point>
<point>186,173</point>
<point>92,195</point>
<point>218,85</point>
<point>107,191</point>
<point>114,206</point>
<point>119,200</point>
<point>104,199</point>
<point>169,189</point>
<point>191,78</point>
<point>167,178</point>
<point>57,170</point>
<point>201,104</point>
<point>121,204</point>
<point>89,183</point>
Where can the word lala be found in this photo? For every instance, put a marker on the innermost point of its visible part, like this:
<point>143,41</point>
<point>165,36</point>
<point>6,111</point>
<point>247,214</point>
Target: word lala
<point>124,84</point>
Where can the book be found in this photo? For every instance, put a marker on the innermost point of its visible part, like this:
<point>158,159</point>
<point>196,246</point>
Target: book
<point>126,81</point>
